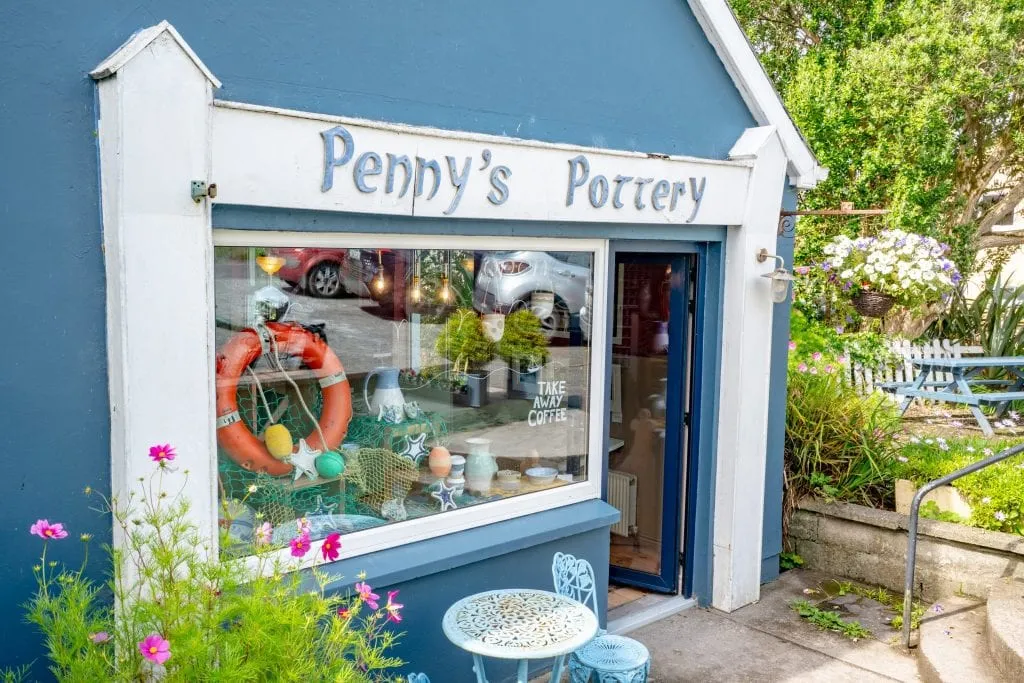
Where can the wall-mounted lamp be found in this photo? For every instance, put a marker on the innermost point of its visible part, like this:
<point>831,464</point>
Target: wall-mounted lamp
<point>780,277</point>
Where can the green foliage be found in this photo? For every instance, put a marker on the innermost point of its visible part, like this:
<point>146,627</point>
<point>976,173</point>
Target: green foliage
<point>828,620</point>
<point>868,349</point>
<point>995,494</point>
<point>225,621</point>
<point>789,561</point>
<point>523,339</point>
<point>463,341</point>
<point>839,444</point>
<point>913,105</point>
<point>994,318</point>
<point>930,510</point>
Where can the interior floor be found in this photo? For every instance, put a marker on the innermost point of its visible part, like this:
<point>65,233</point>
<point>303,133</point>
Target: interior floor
<point>623,595</point>
<point>640,554</point>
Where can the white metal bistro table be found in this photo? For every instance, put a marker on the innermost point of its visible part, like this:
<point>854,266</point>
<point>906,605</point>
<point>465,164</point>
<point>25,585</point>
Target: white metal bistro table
<point>520,624</point>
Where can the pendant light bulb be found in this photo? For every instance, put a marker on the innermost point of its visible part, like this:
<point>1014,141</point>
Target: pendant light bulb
<point>416,294</point>
<point>378,284</point>
<point>446,293</point>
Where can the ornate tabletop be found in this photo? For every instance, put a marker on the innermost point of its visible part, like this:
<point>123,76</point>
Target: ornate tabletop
<point>519,623</point>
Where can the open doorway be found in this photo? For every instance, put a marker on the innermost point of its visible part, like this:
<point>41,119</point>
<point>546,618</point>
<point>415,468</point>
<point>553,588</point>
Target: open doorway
<point>652,336</point>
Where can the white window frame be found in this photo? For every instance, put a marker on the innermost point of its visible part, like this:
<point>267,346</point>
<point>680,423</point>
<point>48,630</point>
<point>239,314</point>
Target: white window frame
<point>401,533</point>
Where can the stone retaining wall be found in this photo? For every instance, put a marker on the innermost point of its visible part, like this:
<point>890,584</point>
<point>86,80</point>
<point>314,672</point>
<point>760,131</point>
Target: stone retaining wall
<point>869,545</point>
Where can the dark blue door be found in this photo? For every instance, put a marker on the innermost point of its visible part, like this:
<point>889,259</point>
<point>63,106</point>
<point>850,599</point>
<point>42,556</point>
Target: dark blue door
<point>651,336</point>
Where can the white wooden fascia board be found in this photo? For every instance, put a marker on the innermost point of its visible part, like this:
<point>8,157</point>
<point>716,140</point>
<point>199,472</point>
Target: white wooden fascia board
<point>737,55</point>
<point>486,138</point>
<point>138,42</point>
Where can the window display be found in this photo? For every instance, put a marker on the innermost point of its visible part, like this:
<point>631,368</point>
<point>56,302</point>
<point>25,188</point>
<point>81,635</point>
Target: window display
<point>361,387</point>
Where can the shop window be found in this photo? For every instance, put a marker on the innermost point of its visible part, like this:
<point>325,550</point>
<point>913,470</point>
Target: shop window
<point>362,388</point>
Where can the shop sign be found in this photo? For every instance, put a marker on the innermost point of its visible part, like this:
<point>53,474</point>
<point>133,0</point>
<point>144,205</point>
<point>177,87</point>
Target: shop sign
<point>274,159</point>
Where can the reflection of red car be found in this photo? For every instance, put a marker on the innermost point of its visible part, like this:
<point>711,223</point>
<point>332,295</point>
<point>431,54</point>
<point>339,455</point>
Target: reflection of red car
<point>314,271</point>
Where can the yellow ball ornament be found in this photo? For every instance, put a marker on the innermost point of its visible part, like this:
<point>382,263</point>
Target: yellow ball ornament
<point>279,441</point>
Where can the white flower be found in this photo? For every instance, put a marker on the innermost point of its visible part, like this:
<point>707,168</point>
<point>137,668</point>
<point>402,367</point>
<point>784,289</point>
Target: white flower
<point>1000,515</point>
<point>253,488</point>
<point>969,449</point>
<point>943,446</point>
<point>929,441</point>
<point>846,274</point>
<point>915,439</point>
<point>986,451</point>
<point>986,500</point>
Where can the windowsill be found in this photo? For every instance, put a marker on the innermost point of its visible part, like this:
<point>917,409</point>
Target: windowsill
<point>422,558</point>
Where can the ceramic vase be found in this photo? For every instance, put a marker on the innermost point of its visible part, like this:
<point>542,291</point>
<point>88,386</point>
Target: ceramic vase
<point>458,467</point>
<point>440,461</point>
<point>480,465</point>
<point>494,326</point>
<point>542,304</point>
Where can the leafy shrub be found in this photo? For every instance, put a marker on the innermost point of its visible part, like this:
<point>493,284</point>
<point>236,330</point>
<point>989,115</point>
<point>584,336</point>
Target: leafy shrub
<point>523,339</point>
<point>867,349</point>
<point>995,494</point>
<point>185,616</point>
<point>994,318</point>
<point>839,444</point>
<point>463,342</point>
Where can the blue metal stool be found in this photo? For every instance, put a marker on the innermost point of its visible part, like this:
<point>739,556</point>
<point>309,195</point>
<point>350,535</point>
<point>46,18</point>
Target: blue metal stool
<point>605,659</point>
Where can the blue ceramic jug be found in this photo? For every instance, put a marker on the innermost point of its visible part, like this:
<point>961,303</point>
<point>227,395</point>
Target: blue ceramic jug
<point>386,392</point>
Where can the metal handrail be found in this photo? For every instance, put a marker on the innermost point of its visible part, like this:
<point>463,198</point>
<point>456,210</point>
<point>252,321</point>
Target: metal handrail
<point>915,509</point>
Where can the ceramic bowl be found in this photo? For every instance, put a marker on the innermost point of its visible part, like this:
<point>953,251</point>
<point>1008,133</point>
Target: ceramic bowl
<point>509,479</point>
<point>541,475</point>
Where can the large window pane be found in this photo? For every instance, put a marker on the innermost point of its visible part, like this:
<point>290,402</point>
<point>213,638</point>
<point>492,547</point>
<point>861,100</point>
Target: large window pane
<point>466,374</point>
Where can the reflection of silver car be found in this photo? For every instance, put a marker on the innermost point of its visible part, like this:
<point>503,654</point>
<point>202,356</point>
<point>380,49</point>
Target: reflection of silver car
<point>507,281</point>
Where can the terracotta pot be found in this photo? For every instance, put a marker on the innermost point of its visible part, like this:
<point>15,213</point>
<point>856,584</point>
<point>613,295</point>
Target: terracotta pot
<point>440,461</point>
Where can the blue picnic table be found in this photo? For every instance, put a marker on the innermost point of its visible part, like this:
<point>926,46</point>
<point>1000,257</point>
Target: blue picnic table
<point>964,378</point>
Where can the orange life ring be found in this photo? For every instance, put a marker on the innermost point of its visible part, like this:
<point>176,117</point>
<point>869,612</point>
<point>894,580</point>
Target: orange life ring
<point>290,339</point>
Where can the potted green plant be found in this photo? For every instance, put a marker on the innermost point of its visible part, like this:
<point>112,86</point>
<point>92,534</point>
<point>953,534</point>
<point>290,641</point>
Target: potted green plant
<point>524,347</point>
<point>464,344</point>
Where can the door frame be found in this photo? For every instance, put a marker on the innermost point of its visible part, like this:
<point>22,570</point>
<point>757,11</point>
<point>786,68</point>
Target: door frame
<point>697,485</point>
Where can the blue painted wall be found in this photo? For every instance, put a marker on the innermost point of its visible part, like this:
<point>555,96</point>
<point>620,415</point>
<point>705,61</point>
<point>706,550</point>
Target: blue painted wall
<point>773,493</point>
<point>594,72</point>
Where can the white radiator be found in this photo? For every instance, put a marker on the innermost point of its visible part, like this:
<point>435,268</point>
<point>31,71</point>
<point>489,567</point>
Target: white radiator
<point>622,495</point>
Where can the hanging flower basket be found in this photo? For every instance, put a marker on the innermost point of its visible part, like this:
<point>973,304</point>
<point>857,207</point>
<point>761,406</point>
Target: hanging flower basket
<point>873,304</point>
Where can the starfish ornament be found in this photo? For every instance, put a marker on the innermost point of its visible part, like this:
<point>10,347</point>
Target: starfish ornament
<point>445,495</point>
<point>414,449</point>
<point>304,461</point>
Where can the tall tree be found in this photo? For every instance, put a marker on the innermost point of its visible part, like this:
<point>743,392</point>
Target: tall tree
<point>915,105</point>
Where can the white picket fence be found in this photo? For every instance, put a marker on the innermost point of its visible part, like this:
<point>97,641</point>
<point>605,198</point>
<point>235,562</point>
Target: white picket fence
<point>865,379</point>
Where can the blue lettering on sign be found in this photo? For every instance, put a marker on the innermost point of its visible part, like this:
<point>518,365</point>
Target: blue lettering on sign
<point>599,189</point>
<point>425,177</point>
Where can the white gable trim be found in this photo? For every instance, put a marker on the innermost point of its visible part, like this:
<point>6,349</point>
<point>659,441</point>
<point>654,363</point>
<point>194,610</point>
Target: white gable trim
<point>139,42</point>
<point>730,42</point>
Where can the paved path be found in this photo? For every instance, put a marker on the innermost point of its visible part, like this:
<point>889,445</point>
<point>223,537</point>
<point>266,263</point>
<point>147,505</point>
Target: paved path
<point>769,642</point>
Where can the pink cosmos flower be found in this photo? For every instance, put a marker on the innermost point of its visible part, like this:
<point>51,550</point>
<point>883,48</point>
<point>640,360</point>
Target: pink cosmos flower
<point>343,612</point>
<point>802,270</point>
<point>367,595</point>
<point>154,648</point>
<point>100,637</point>
<point>300,545</point>
<point>303,525</point>
<point>829,369</point>
<point>393,607</point>
<point>792,345</point>
<point>331,546</point>
<point>816,355</point>
<point>43,529</point>
<point>802,367</point>
<point>160,454</point>
<point>263,533</point>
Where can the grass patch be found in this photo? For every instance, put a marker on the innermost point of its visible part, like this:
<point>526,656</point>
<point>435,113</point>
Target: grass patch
<point>827,620</point>
<point>996,493</point>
